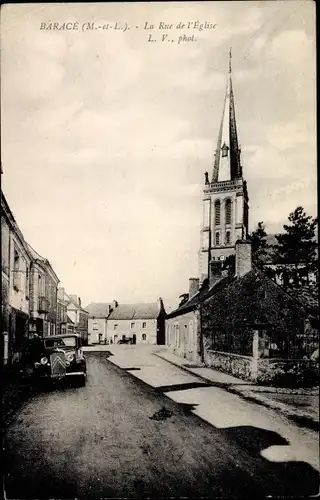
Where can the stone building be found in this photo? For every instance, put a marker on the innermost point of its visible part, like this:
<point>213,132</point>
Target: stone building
<point>16,264</point>
<point>62,312</point>
<point>142,323</point>
<point>242,322</point>
<point>43,296</point>
<point>77,317</point>
<point>97,321</point>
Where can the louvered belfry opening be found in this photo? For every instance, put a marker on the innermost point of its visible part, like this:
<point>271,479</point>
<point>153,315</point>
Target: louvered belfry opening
<point>217,213</point>
<point>228,207</point>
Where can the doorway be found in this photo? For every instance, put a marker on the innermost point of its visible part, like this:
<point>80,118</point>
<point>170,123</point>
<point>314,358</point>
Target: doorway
<point>134,338</point>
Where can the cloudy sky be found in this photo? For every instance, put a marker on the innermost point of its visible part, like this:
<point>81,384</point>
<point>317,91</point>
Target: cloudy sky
<point>106,136</point>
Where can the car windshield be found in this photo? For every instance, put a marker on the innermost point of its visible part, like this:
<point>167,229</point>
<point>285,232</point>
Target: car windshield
<point>66,342</point>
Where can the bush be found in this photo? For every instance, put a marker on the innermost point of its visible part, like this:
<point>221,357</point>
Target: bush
<point>282,374</point>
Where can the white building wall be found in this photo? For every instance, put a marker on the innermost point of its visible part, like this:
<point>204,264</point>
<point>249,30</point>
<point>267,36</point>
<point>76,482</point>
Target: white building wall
<point>96,327</point>
<point>73,313</point>
<point>116,329</point>
<point>20,275</point>
<point>182,335</point>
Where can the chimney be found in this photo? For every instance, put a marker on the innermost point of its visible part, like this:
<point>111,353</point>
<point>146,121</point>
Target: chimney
<point>243,257</point>
<point>215,272</point>
<point>193,286</point>
<point>79,301</point>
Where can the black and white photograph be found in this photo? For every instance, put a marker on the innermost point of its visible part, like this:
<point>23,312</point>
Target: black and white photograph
<point>159,250</point>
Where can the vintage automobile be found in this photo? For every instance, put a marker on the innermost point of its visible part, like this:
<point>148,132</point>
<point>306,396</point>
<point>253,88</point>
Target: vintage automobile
<point>61,357</point>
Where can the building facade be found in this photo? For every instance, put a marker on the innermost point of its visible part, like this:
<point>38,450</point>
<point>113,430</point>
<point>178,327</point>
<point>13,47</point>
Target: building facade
<point>43,296</point>
<point>97,321</point>
<point>62,312</point>
<point>183,326</point>
<point>77,317</point>
<point>16,265</point>
<point>142,323</point>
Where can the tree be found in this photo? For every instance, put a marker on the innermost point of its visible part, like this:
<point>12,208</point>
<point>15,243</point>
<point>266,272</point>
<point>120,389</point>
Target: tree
<point>297,244</point>
<point>259,243</point>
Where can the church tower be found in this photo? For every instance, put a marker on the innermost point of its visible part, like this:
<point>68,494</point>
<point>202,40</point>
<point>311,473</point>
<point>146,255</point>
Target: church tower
<point>225,196</point>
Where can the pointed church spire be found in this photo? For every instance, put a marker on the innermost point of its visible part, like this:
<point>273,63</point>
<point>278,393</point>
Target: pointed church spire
<point>227,144</point>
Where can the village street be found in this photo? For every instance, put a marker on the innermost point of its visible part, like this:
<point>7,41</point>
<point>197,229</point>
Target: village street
<point>143,427</point>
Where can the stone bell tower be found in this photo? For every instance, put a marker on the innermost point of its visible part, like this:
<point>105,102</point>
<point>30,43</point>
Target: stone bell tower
<point>225,196</point>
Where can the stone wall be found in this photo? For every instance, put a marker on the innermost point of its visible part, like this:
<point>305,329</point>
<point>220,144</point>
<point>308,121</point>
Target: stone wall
<point>274,372</point>
<point>234,364</point>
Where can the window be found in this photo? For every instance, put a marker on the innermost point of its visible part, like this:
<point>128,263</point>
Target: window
<point>66,342</point>
<point>224,150</point>
<point>177,335</point>
<point>27,283</point>
<point>228,206</point>
<point>16,271</point>
<point>217,238</point>
<point>144,325</point>
<point>132,325</point>
<point>95,326</point>
<point>144,336</point>
<point>228,238</point>
<point>115,326</point>
<point>217,213</point>
<point>191,336</point>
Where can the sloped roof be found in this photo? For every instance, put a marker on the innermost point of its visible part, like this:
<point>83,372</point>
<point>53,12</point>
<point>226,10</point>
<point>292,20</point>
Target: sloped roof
<point>305,299</point>
<point>34,254</point>
<point>98,309</point>
<point>199,297</point>
<point>136,311</point>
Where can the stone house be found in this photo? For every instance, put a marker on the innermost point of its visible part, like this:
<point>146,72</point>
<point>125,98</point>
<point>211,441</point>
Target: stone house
<point>142,323</point>
<point>97,321</point>
<point>16,265</point>
<point>43,296</point>
<point>77,317</point>
<point>71,327</point>
<point>62,312</point>
<point>247,325</point>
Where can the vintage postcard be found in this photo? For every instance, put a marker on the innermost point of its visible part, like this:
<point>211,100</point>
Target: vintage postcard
<point>159,320</point>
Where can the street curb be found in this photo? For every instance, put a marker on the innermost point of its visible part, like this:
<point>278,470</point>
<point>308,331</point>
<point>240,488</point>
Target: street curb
<point>300,419</point>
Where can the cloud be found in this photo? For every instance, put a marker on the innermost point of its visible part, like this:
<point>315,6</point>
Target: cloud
<point>285,136</point>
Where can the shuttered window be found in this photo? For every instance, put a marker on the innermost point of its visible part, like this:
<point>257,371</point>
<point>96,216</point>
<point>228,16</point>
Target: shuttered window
<point>217,213</point>
<point>228,211</point>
